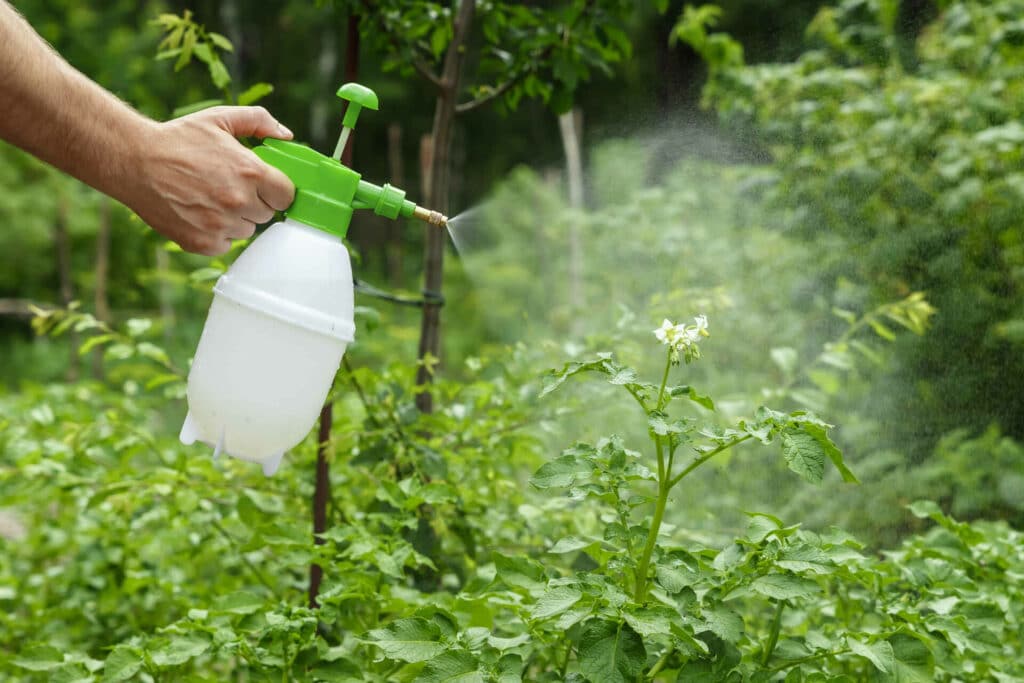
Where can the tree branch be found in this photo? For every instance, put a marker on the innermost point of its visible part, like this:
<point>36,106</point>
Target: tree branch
<point>426,72</point>
<point>504,87</point>
<point>418,64</point>
<point>494,94</point>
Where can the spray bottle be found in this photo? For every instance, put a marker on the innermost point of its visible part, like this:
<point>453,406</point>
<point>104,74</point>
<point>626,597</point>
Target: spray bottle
<point>282,315</point>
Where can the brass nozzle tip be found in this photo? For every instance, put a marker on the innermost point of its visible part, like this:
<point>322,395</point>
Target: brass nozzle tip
<point>432,217</point>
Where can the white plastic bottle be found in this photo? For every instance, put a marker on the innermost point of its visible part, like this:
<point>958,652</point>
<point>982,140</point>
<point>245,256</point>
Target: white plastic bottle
<point>279,324</point>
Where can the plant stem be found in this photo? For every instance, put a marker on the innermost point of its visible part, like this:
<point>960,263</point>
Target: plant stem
<point>241,555</point>
<point>664,379</point>
<point>652,538</point>
<point>660,664</point>
<point>664,486</point>
<point>704,458</point>
<point>773,637</point>
<point>565,660</point>
<point>804,660</point>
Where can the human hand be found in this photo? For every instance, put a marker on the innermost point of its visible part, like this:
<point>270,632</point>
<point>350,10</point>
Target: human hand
<point>194,183</point>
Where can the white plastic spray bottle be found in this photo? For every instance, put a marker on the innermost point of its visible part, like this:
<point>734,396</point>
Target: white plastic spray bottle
<point>282,315</point>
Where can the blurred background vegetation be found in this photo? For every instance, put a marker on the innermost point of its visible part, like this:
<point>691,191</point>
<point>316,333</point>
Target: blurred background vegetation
<point>787,171</point>
<point>838,186</point>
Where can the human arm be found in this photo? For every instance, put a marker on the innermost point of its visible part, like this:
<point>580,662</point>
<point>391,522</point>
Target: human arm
<point>188,178</point>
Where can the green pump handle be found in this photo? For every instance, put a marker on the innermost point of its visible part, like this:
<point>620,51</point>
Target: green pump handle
<point>327,191</point>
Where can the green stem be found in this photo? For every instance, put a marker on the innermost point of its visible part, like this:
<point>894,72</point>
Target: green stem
<point>245,560</point>
<point>565,660</point>
<point>652,538</point>
<point>773,637</point>
<point>704,458</point>
<point>662,474</point>
<point>660,664</point>
<point>664,485</point>
<point>804,660</point>
<point>664,379</point>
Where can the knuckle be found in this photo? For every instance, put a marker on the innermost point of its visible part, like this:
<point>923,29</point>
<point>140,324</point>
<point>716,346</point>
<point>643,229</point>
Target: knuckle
<point>209,220</point>
<point>252,168</point>
<point>233,198</point>
<point>195,244</point>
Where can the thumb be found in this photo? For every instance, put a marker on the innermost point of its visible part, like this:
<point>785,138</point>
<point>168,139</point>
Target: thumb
<point>243,122</point>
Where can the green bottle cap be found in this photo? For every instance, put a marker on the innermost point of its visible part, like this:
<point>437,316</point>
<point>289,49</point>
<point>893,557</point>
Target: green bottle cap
<point>324,188</point>
<point>327,191</point>
<point>358,96</point>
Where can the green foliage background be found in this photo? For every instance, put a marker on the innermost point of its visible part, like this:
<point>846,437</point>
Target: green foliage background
<point>844,208</point>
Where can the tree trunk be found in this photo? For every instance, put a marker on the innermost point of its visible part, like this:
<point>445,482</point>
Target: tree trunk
<point>433,257</point>
<point>396,173</point>
<point>101,303</point>
<point>324,100</point>
<point>568,124</point>
<point>66,281</point>
<point>322,486</point>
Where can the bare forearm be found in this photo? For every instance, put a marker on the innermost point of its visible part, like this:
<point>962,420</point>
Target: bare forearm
<point>189,178</point>
<point>54,112</point>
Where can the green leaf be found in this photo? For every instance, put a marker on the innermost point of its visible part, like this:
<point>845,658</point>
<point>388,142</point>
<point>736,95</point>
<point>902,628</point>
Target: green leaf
<point>220,41</point>
<point>39,658</point>
<point>241,602</point>
<point>651,621</point>
<point>121,665</point>
<point>554,601</point>
<point>203,53</point>
<point>339,670</point>
<point>92,342</point>
<point>761,525</point>
<point>804,455</point>
<point>784,586</point>
<point>255,93</point>
<point>561,472</point>
<point>138,326</point>
<point>622,376</point>
<point>570,544</point>
<point>675,578</point>
<point>820,434</point>
<point>882,330</point>
<point>510,669</point>
<point>411,640</point>
<point>659,424</point>
<point>805,558</point>
<point>500,643</point>
<point>219,73</point>
<point>722,621</point>
<point>912,662</point>
<point>924,509</point>
<point>455,666</point>
<point>153,352</point>
<point>520,572</point>
<point>879,653</point>
<point>438,40</point>
<point>179,650</point>
<point>610,652</point>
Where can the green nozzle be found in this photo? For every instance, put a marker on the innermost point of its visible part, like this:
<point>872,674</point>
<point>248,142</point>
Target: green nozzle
<point>358,96</point>
<point>326,191</point>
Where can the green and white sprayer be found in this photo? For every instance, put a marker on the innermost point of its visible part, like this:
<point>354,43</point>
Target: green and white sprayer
<point>282,315</point>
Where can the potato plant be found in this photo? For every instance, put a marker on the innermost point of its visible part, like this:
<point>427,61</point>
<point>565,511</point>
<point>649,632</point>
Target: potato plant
<point>133,558</point>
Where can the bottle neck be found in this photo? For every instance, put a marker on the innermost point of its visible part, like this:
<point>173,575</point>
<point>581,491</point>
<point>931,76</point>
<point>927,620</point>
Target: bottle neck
<point>310,230</point>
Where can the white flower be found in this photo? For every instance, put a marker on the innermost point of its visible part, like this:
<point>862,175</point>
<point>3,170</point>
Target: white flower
<point>666,333</point>
<point>683,338</point>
